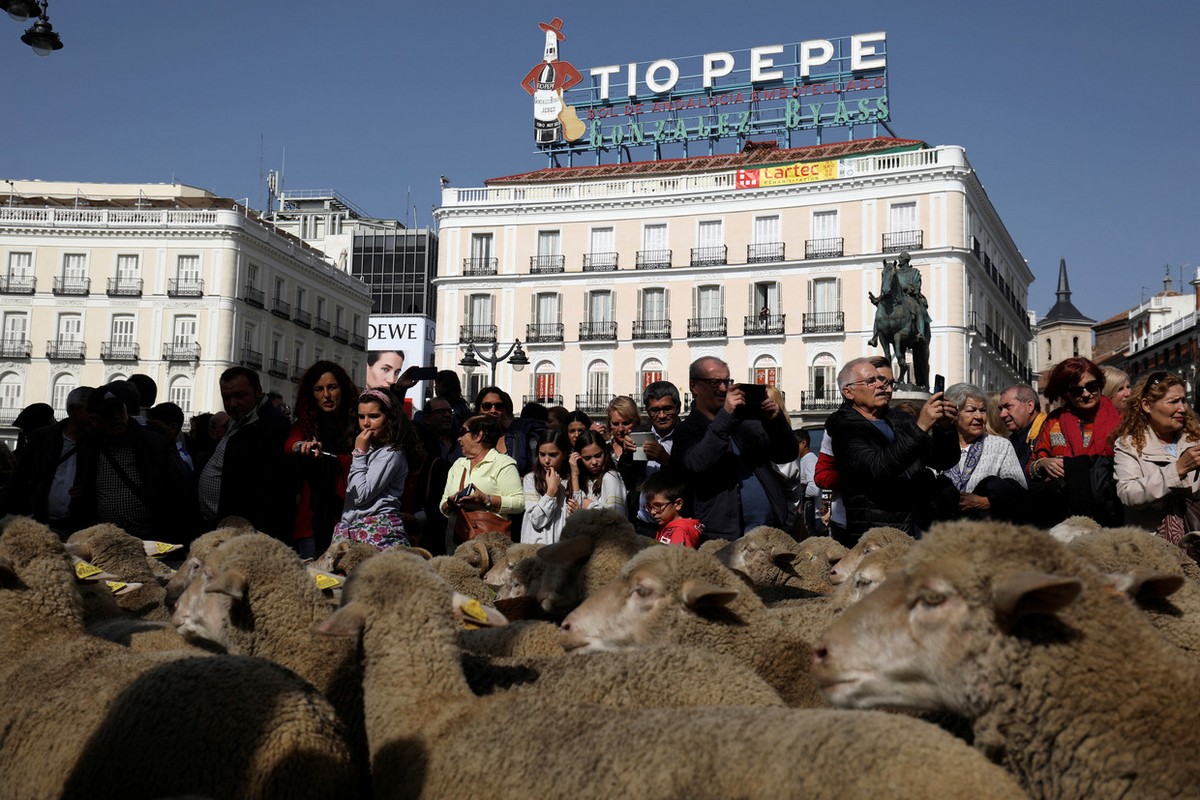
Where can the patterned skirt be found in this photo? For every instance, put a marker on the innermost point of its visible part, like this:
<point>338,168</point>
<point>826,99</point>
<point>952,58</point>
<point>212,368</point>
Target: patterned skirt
<point>382,531</point>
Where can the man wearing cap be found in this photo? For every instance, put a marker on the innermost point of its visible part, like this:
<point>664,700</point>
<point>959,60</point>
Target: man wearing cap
<point>41,483</point>
<point>128,475</point>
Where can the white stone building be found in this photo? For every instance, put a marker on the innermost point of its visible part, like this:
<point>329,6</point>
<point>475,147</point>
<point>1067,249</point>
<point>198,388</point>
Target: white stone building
<point>99,281</point>
<point>614,276</point>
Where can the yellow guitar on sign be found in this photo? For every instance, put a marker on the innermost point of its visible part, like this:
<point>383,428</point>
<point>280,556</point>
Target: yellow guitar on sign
<point>572,126</point>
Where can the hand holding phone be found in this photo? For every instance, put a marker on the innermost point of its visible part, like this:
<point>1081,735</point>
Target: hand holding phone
<point>939,383</point>
<point>464,493</point>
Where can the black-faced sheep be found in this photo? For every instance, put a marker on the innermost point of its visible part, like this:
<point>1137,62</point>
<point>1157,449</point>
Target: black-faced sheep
<point>419,705</point>
<point>1063,679</point>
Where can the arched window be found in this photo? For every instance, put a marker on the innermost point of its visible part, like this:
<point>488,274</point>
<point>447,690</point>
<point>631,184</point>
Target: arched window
<point>598,387</point>
<point>545,383</point>
<point>766,371</point>
<point>651,371</point>
<point>179,392</point>
<point>11,404</point>
<point>822,377</point>
<point>64,384</point>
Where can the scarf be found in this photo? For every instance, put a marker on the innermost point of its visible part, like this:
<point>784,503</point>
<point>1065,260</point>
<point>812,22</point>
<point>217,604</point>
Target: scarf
<point>961,472</point>
<point>1106,421</point>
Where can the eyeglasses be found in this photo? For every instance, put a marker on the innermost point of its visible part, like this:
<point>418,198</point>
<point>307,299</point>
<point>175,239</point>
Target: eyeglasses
<point>485,406</point>
<point>1091,387</point>
<point>654,508</point>
<point>717,383</point>
<point>661,412</point>
<point>439,411</point>
<point>464,432</point>
<point>874,379</point>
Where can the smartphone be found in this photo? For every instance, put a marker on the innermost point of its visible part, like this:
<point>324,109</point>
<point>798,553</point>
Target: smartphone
<point>424,373</point>
<point>464,492</point>
<point>939,383</point>
<point>756,395</point>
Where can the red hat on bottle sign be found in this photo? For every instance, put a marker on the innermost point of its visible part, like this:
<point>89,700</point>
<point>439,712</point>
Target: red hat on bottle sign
<point>553,25</point>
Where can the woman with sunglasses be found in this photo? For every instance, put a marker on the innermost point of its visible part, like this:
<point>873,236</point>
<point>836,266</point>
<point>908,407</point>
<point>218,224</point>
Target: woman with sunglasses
<point>494,402</point>
<point>1074,449</point>
<point>1157,462</point>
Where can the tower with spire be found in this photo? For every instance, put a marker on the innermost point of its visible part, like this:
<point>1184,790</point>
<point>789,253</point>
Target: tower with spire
<point>1064,331</point>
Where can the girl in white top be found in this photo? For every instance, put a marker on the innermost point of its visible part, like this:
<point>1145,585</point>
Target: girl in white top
<point>546,490</point>
<point>595,482</point>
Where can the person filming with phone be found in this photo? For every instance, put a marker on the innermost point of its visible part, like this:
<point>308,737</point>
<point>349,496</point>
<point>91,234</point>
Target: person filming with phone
<point>725,447</point>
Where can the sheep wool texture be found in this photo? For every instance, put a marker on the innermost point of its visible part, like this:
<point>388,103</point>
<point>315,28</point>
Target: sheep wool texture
<point>152,724</point>
<point>419,704</point>
<point>776,565</point>
<point>115,551</point>
<point>594,545</point>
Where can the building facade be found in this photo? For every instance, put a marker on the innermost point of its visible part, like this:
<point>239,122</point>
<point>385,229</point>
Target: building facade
<point>100,281</point>
<point>616,276</point>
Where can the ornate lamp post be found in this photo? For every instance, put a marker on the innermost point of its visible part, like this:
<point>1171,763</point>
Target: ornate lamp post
<point>514,355</point>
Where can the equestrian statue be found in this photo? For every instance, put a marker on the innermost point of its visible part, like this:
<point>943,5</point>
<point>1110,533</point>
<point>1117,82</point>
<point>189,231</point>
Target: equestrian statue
<point>902,320</point>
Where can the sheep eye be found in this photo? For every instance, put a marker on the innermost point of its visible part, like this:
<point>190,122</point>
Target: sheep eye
<point>642,591</point>
<point>930,597</point>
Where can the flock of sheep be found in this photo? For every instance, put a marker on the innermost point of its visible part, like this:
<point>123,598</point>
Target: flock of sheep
<point>984,661</point>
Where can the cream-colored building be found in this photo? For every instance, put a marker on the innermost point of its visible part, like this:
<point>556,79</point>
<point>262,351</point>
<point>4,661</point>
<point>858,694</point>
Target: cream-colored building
<point>614,276</point>
<point>99,281</point>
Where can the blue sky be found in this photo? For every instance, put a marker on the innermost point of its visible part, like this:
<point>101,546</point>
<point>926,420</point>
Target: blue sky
<point>1081,117</point>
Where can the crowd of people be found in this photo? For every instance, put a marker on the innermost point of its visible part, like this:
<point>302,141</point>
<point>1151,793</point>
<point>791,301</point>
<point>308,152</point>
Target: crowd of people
<point>348,463</point>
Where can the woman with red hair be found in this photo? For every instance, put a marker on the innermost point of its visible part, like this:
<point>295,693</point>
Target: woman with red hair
<point>1073,454</point>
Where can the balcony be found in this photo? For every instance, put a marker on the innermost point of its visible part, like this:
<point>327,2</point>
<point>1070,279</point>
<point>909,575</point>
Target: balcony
<point>297,374</point>
<point>119,351</point>
<point>770,325</point>
<point>542,332</point>
<point>15,348</point>
<point>302,318</point>
<point>254,297</point>
<point>598,332</point>
<point>252,358</point>
<point>707,328</point>
<point>18,285</point>
<point>277,368</point>
<point>763,252</point>
<point>824,322</point>
<point>476,333</point>
<point>181,352</point>
<point>827,400</point>
<point>321,326</point>
<point>124,287</point>
<point>546,265</point>
<point>652,329</point>
<point>66,349</point>
<point>281,308</point>
<point>593,403</point>
<point>653,259</point>
<point>8,414</point>
<point>80,287</point>
<point>340,334</point>
<point>358,341</point>
<point>185,287</point>
<point>544,399</point>
<point>599,262</point>
<point>710,256</point>
<point>480,266</point>
<point>900,241</point>
<point>825,248</point>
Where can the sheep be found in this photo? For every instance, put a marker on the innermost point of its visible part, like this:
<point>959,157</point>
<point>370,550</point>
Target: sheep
<point>463,576</point>
<point>824,550</point>
<point>142,636</point>
<point>524,578</point>
<point>1062,679</point>
<point>714,546</point>
<point>1151,571</point>
<point>681,596</point>
<point>873,539</point>
<point>115,551</point>
<point>594,545</point>
<point>484,550</point>
<point>499,573</point>
<point>521,639</point>
<point>1072,528</point>
<point>199,549</point>
<point>419,705</point>
<point>774,565</point>
<point>81,714</point>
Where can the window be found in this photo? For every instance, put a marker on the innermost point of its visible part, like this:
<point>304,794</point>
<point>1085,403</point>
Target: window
<point>479,310</point>
<point>546,309</point>
<point>20,266</point>
<point>16,328</point>
<point>711,233</point>
<point>654,238</point>
<point>600,306</point>
<point>300,298</point>
<point>252,276</point>
<point>1075,346</point>
<point>549,244</point>
<point>249,336</point>
<point>765,372</point>
<point>597,381</point>
<point>825,225</point>
<point>10,396</point>
<point>280,289</point>
<point>277,348</point>
<point>187,270</point>
<point>128,269</point>
<point>122,330</point>
<point>63,385</point>
<point>766,230</point>
<point>1048,359</point>
<point>764,294</point>
<point>184,331</point>
<point>321,309</point>
<point>70,327</point>
<point>822,376</point>
<point>298,356</point>
<point>825,295</point>
<point>179,392</point>
<point>604,241</point>
<point>710,302</point>
<point>74,267</point>
<point>652,304</point>
<point>339,316</point>
<point>481,251</point>
<point>652,370</point>
<point>902,217</point>
<point>545,382</point>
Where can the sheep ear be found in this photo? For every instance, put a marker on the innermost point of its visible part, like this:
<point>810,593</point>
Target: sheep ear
<point>230,582</point>
<point>699,594</point>
<point>1144,584</point>
<point>8,573</point>
<point>346,621</point>
<point>566,552</point>
<point>153,548</point>
<point>81,550</point>
<point>783,558</point>
<point>1019,594</point>
<point>474,614</point>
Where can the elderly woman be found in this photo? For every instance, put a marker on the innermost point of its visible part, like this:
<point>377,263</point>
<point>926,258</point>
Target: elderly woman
<point>1157,462</point>
<point>1071,467</point>
<point>483,480</point>
<point>988,476</point>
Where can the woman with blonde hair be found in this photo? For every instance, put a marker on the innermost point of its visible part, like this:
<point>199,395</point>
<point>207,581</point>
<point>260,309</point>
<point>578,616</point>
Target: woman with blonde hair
<point>1157,458</point>
<point>1116,387</point>
<point>623,419</point>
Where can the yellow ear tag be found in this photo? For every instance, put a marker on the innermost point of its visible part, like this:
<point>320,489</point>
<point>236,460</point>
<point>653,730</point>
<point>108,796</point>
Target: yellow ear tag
<point>163,547</point>
<point>85,570</point>
<point>326,582</point>
<point>115,586</point>
<point>473,610</point>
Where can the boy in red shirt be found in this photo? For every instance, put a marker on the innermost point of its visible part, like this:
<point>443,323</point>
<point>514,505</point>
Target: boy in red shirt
<point>662,494</point>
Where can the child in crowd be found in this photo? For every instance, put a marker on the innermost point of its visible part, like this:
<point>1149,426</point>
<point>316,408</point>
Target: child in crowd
<point>662,494</point>
<point>577,423</point>
<point>546,489</point>
<point>594,479</point>
<point>377,474</point>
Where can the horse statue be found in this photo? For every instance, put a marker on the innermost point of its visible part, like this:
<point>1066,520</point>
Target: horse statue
<point>897,327</point>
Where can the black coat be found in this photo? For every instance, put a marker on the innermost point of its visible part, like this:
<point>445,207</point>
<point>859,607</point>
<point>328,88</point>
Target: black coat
<point>885,483</point>
<point>256,479</point>
<point>28,490</point>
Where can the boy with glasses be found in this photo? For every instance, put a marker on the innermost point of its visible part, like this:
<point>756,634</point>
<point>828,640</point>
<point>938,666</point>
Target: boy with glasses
<point>662,497</point>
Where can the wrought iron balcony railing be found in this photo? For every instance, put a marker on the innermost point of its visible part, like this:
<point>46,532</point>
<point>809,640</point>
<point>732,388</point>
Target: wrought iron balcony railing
<point>652,329</point>
<point>281,308</point>
<point>185,287</point>
<point>707,327</point>
<point>177,352</point>
<point>903,240</point>
<point>597,332</point>
<point>541,332</point>
<point>823,322</point>
<point>825,248</point>
<point>480,266</point>
<point>600,262</point>
<point>653,259</point>
<point>544,399</point>
<point>764,251</point>
<point>710,256</point>
<point>593,403</point>
<point>124,287</point>
<point>544,265</point>
<point>18,284</point>
<point>358,341</point>
<point>119,351</point>
<point>302,318</point>
<point>769,325</point>
<point>15,348</point>
<point>252,358</point>
<point>476,333</point>
<point>72,286</point>
<point>254,297</point>
<point>827,400</point>
<point>72,349</point>
<point>321,326</point>
<point>340,334</point>
<point>277,368</point>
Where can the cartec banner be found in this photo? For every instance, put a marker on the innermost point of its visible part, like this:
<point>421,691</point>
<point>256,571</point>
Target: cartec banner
<point>786,174</point>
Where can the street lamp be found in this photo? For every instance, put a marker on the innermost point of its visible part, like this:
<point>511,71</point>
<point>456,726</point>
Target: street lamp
<point>40,35</point>
<point>514,355</point>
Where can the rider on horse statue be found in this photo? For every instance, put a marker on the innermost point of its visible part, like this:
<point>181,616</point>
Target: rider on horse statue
<point>909,280</point>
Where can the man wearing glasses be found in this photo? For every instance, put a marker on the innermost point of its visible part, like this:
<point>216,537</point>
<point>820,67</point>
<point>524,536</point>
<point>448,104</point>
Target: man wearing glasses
<point>882,453</point>
<point>662,404</point>
<point>725,447</point>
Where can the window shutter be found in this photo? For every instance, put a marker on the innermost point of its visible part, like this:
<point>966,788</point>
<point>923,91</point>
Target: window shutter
<point>809,284</point>
<point>838,284</point>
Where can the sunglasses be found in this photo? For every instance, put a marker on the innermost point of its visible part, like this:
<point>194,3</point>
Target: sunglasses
<point>491,406</point>
<point>1091,387</point>
<point>718,383</point>
<point>1156,378</point>
<point>464,432</point>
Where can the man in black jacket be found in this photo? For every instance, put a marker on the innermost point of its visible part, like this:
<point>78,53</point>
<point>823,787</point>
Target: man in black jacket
<point>882,454</point>
<point>45,473</point>
<point>725,449</point>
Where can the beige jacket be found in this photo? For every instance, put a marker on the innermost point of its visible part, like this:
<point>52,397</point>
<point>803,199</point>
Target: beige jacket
<point>1147,483</point>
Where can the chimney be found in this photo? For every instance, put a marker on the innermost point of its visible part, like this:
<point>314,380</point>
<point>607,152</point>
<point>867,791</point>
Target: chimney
<point>1196,284</point>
